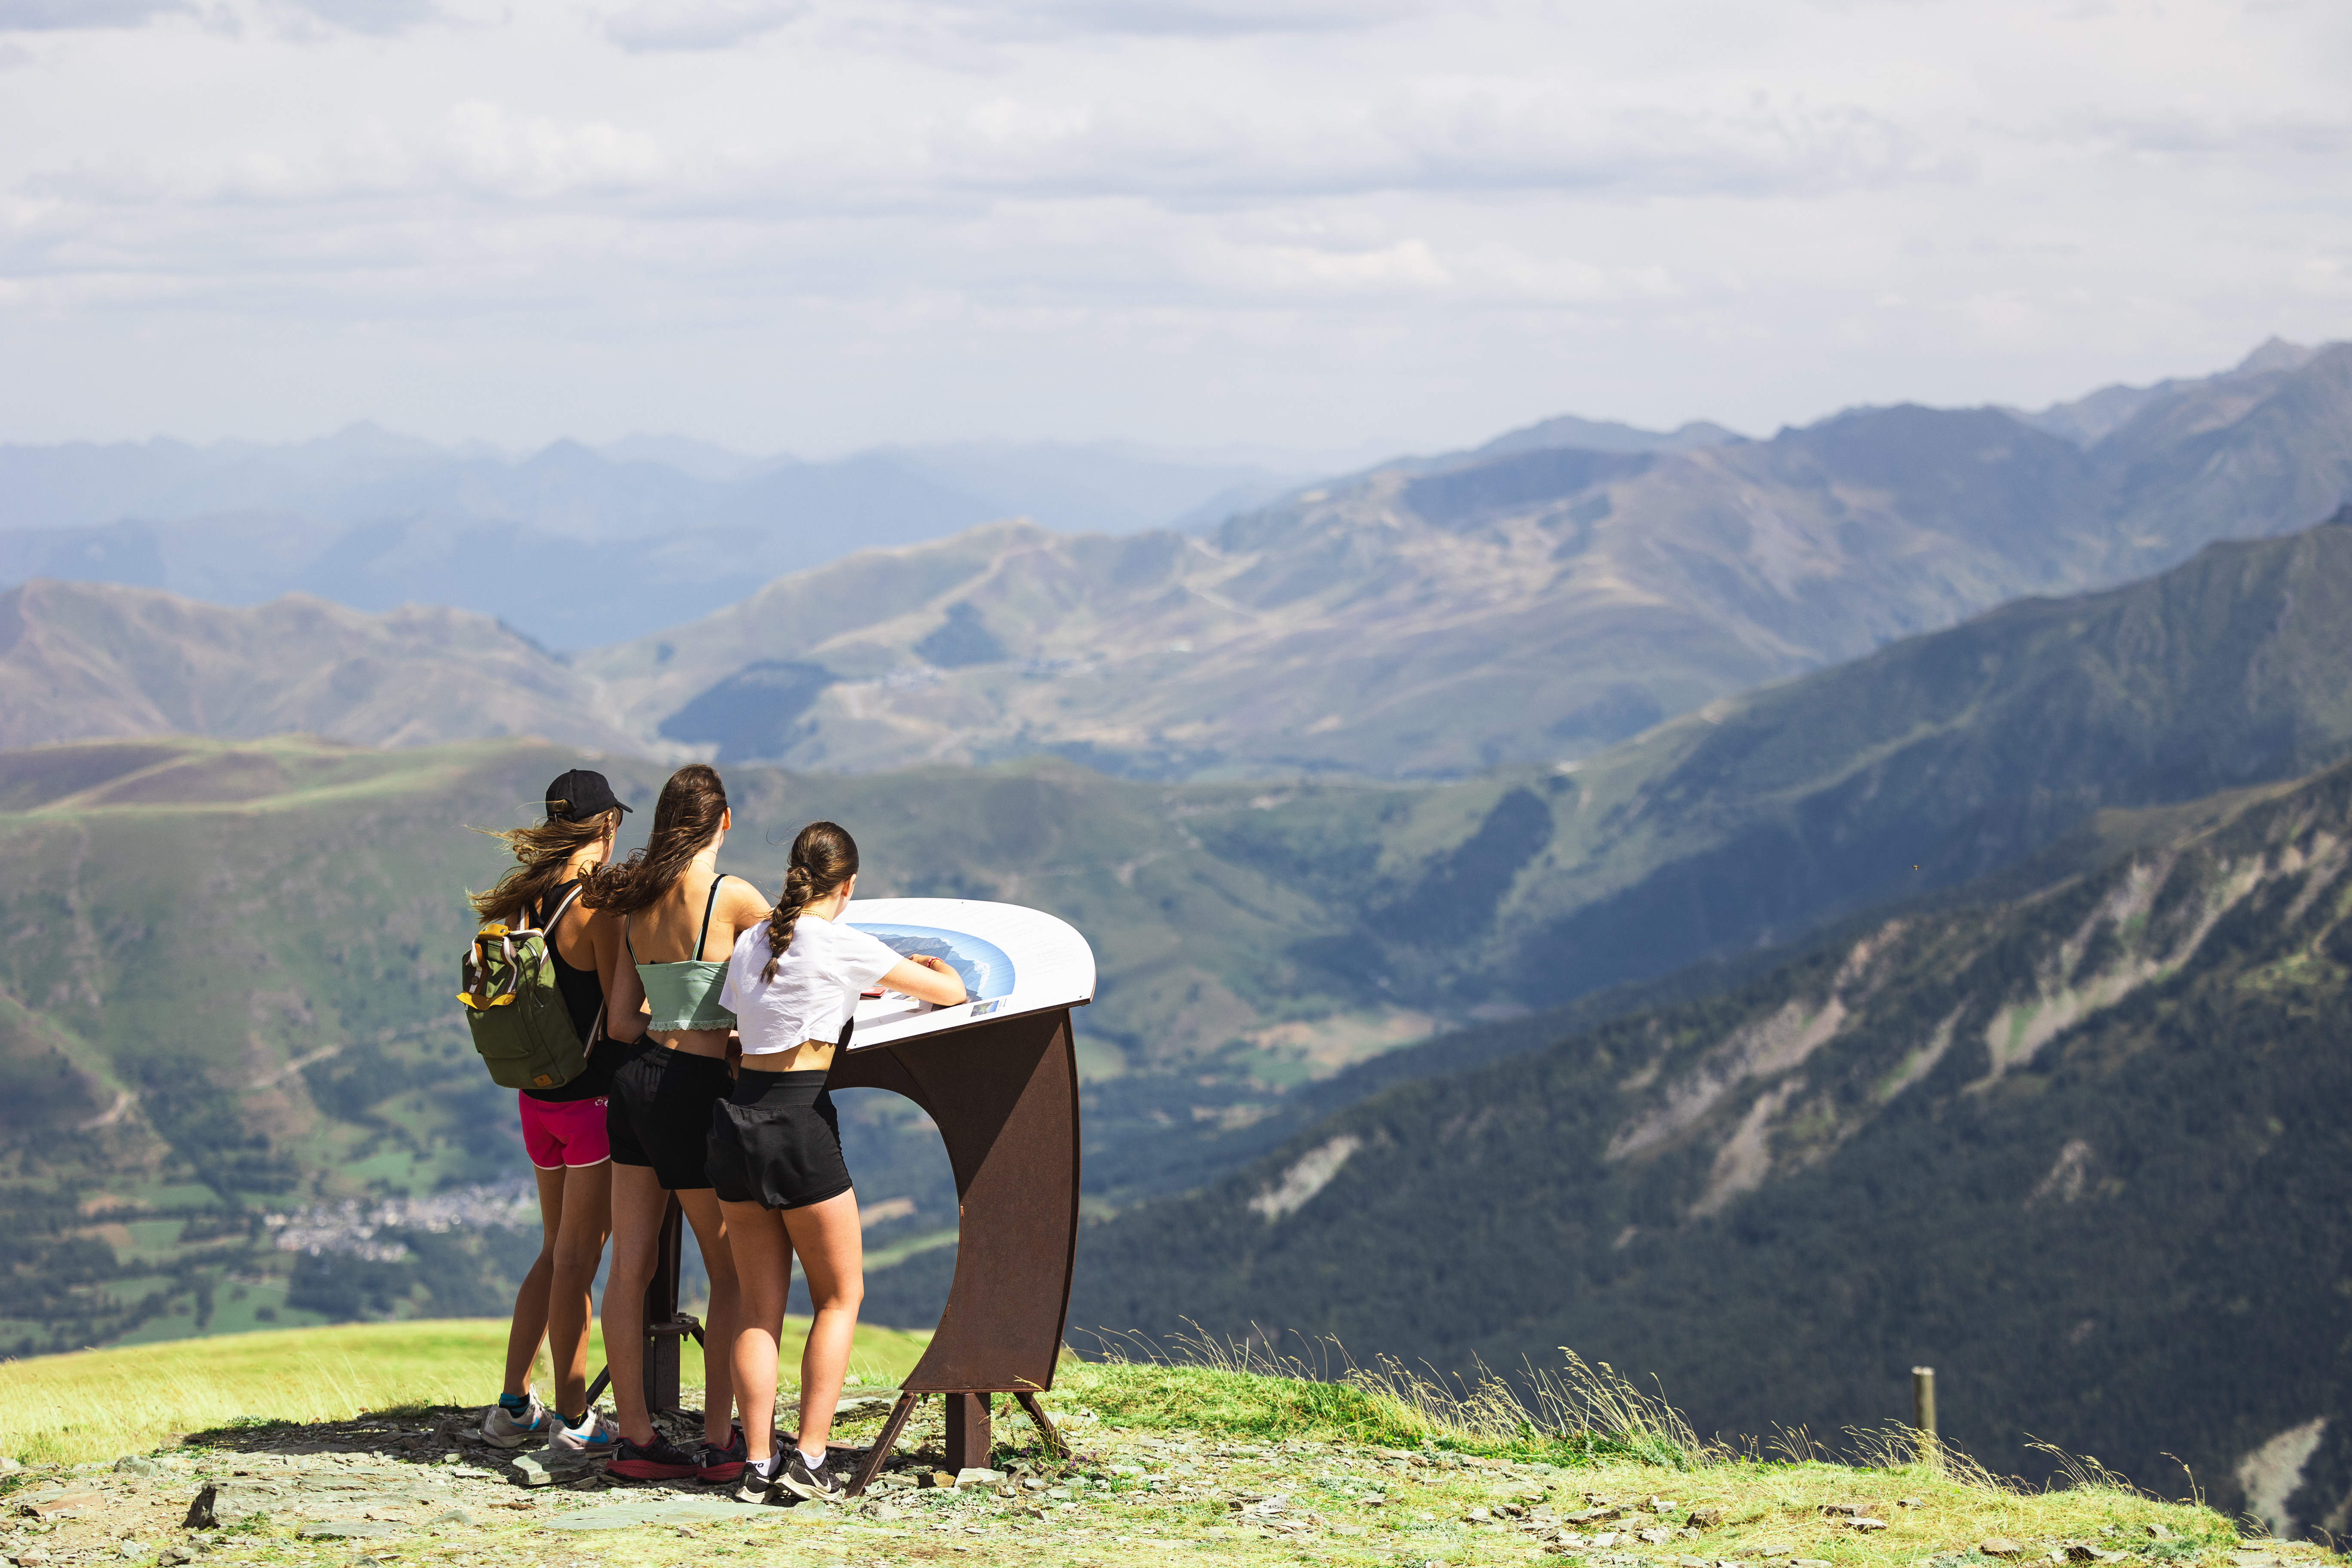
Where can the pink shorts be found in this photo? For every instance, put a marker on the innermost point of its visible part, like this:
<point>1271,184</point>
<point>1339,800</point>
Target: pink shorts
<point>565,1133</point>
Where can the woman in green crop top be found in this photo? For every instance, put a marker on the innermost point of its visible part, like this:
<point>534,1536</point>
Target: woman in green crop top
<point>679,918</point>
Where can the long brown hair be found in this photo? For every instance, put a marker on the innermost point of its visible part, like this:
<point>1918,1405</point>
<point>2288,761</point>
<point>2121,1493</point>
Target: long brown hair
<point>540,853</point>
<point>686,819</point>
<point>823,857</point>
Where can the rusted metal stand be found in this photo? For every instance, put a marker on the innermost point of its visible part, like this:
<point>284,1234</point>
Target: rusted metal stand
<point>665,1324</point>
<point>1005,1099</point>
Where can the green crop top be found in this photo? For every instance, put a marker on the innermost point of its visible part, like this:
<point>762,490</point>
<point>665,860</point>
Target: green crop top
<point>684,994</point>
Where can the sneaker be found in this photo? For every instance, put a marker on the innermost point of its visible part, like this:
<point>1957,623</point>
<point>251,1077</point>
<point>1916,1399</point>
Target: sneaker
<point>505,1428</point>
<point>756,1484</point>
<point>593,1438</point>
<point>819,1485</point>
<point>715,1465</point>
<point>659,1460</point>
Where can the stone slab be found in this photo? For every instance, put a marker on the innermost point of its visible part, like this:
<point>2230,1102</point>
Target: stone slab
<point>656,1510</point>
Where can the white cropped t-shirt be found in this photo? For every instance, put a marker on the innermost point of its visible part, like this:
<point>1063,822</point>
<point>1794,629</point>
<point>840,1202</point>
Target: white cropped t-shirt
<point>815,989</point>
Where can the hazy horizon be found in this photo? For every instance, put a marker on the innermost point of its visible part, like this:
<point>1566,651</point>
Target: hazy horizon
<point>1307,462</point>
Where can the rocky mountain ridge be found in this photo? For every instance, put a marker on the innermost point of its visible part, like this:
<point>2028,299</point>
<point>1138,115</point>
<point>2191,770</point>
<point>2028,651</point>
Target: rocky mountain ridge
<point>1526,602</point>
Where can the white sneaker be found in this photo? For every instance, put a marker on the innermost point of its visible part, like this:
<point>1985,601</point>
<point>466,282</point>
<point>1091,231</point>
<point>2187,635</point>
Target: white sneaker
<point>502,1428</point>
<point>593,1438</point>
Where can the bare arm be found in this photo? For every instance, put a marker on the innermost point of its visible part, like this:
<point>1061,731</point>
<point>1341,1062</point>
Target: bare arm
<point>625,1000</point>
<point>741,906</point>
<point>925,979</point>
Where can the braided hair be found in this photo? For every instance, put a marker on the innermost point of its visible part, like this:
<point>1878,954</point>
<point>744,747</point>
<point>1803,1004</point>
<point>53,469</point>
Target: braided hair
<point>823,857</point>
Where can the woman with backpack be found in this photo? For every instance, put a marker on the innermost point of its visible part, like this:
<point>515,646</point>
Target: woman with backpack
<point>562,1127</point>
<point>775,1161</point>
<point>678,919</point>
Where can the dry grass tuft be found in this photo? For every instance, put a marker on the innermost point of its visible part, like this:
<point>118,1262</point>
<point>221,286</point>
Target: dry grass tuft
<point>1578,1412</point>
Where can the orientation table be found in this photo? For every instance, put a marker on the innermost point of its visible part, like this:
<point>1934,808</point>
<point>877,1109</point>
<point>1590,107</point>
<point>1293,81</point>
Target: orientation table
<point>998,1076</point>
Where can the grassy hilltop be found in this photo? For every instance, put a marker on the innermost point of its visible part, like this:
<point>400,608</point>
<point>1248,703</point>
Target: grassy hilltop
<point>1220,1457</point>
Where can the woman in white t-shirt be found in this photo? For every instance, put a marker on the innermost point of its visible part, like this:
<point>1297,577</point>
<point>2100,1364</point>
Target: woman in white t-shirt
<point>775,1148</point>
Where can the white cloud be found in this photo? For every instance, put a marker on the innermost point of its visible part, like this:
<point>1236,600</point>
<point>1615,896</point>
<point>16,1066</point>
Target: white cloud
<point>498,149</point>
<point>809,222</point>
<point>381,17</point>
<point>651,25</point>
<point>46,16</point>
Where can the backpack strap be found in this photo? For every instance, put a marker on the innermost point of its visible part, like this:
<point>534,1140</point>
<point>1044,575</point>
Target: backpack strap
<point>708,905</point>
<point>596,1025</point>
<point>557,918</point>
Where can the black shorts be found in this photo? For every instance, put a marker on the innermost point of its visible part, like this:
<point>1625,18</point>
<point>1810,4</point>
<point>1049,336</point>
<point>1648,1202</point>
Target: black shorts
<point>659,1112</point>
<point>776,1141</point>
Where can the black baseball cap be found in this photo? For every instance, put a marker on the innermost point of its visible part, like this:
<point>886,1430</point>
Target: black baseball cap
<point>579,794</point>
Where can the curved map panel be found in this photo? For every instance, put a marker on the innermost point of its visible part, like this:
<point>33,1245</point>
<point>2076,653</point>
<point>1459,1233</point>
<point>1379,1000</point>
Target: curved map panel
<point>1013,961</point>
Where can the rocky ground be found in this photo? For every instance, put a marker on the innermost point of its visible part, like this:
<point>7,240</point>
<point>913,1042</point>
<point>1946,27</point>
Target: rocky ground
<point>418,1489</point>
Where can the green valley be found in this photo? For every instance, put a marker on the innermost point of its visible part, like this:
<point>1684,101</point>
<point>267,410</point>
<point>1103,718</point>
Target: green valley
<point>227,990</point>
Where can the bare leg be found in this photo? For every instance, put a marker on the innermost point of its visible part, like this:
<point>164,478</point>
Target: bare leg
<point>530,1324</point>
<point>579,1243</point>
<point>764,1273</point>
<point>725,1318</point>
<point>639,1204</point>
<point>833,1254</point>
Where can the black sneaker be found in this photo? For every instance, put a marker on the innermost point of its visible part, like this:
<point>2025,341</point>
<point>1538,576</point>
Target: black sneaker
<point>717,1466</point>
<point>819,1485</point>
<point>756,1484</point>
<point>659,1460</point>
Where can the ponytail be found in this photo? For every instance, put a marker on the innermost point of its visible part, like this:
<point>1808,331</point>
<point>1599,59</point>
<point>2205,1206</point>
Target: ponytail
<point>823,857</point>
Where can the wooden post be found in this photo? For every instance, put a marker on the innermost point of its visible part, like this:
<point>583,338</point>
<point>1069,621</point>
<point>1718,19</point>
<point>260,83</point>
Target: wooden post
<point>1922,1416</point>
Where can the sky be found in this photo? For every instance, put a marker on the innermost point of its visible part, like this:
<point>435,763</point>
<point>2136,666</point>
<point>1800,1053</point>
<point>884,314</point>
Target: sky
<point>815,225</point>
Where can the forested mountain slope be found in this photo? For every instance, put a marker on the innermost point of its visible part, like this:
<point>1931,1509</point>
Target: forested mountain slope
<point>2081,1149</point>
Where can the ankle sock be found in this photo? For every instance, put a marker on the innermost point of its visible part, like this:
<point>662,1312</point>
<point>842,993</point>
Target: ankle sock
<point>514,1404</point>
<point>813,1461</point>
<point>574,1422</point>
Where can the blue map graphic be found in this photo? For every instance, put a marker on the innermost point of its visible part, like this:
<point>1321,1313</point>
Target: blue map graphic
<point>985,970</point>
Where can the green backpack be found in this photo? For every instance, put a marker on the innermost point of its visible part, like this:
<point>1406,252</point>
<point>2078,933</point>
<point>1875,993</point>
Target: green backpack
<point>520,1025</point>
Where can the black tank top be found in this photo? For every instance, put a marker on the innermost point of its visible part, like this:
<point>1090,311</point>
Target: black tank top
<point>583,994</point>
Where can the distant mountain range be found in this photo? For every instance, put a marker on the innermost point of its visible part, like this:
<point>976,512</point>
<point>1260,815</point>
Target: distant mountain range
<point>1540,599</point>
<point>575,547</point>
